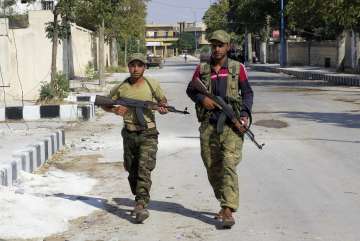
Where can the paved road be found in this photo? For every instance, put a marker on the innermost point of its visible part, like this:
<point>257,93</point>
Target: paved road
<point>304,185</point>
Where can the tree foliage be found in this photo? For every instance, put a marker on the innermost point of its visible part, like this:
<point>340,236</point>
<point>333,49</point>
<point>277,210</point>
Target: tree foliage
<point>323,19</point>
<point>253,15</point>
<point>312,19</point>
<point>215,17</point>
<point>239,16</point>
<point>187,41</point>
<point>66,10</point>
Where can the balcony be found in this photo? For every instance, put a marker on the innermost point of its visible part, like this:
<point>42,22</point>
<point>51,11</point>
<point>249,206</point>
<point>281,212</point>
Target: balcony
<point>161,39</point>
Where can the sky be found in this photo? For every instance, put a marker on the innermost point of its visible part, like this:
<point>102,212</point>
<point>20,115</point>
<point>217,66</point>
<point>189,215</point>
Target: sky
<point>174,11</point>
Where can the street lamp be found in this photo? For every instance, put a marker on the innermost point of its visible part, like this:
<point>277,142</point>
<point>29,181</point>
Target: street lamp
<point>283,57</point>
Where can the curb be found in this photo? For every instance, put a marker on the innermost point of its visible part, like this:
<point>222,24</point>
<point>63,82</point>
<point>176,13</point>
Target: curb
<point>32,157</point>
<point>70,112</point>
<point>308,75</point>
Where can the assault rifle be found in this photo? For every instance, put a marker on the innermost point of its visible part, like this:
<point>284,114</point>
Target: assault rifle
<point>139,106</point>
<point>226,112</point>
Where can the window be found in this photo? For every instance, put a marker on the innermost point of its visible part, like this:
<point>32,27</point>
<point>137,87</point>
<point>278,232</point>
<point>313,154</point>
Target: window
<point>23,1</point>
<point>47,5</point>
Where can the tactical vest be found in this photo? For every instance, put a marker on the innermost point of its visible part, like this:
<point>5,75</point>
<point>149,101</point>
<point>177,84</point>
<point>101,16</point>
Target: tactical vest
<point>233,96</point>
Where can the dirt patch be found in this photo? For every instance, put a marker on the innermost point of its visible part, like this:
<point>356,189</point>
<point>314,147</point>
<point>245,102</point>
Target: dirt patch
<point>272,123</point>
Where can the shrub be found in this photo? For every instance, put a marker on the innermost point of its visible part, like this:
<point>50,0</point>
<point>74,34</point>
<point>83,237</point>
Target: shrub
<point>90,72</point>
<point>46,92</point>
<point>58,91</point>
<point>118,69</point>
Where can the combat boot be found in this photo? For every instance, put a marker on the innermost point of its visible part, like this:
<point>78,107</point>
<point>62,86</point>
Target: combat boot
<point>219,215</point>
<point>140,213</point>
<point>227,219</point>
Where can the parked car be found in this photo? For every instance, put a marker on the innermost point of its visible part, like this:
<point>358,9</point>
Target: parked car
<point>154,61</point>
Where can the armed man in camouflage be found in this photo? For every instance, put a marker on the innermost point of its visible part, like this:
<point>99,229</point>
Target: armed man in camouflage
<point>221,151</point>
<point>140,143</point>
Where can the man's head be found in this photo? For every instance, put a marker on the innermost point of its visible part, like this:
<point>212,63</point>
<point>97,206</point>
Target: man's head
<point>136,65</point>
<point>220,44</point>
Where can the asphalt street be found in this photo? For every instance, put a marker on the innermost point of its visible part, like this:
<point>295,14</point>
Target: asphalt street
<point>304,184</point>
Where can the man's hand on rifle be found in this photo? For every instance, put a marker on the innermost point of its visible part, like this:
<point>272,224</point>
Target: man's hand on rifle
<point>162,107</point>
<point>120,110</point>
<point>162,110</point>
<point>208,103</point>
<point>244,120</point>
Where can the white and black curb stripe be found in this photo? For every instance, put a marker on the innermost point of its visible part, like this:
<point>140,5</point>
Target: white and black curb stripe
<point>33,113</point>
<point>81,98</point>
<point>32,157</point>
<point>330,78</point>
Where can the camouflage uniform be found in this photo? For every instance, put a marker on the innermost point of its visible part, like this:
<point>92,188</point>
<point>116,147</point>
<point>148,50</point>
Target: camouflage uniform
<point>140,149</point>
<point>140,143</point>
<point>221,151</point>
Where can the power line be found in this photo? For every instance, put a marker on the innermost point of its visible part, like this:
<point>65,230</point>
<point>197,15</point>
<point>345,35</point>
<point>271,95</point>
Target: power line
<point>18,75</point>
<point>17,69</point>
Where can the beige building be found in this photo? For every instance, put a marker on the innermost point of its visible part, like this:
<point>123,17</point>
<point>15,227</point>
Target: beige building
<point>161,40</point>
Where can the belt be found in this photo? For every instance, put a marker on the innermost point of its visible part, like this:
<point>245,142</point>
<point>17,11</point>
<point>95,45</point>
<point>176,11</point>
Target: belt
<point>133,127</point>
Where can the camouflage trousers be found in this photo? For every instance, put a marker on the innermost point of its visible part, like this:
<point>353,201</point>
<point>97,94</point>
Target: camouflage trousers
<point>140,149</point>
<point>221,153</point>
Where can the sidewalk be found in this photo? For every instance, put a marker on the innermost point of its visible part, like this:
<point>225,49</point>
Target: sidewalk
<point>31,134</point>
<point>311,73</point>
<point>25,146</point>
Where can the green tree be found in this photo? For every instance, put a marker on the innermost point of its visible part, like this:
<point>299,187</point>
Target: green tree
<point>326,20</point>
<point>323,19</point>
<point>119,20</point>
<point>57,31</point>
<point>216,17</point>
<point>186,42</point>
<point>128,26</point>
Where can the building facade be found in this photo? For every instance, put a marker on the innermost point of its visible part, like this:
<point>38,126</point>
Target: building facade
<point>161,40</point>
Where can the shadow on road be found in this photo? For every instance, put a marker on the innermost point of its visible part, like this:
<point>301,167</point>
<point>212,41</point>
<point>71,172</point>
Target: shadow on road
<point>347,120</point>
<point>340,119</point>
<point>101,204</point>
<point>171,207</point>
<point>161,206</point>
<point>286,83</point>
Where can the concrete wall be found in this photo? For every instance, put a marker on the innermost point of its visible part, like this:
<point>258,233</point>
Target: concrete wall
<point>322,50</point>
<point>82,41</point>
<point>25,58</point>
<point>298,53</point>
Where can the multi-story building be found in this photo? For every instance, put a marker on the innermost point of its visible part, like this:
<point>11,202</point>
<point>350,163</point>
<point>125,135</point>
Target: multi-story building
<point>161,40</point>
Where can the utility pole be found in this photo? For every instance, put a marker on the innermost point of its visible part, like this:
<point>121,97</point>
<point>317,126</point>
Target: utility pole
<point>283,55</point>
<point>246,60</point>
<point>101,53</point>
